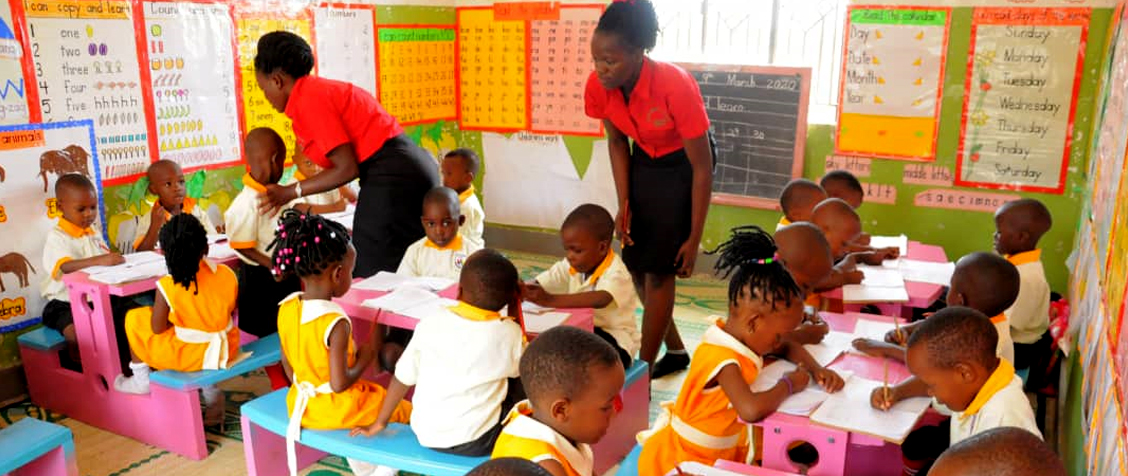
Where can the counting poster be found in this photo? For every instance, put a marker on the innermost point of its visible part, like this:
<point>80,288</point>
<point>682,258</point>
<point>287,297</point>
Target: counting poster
<point>560,63</point>
<point>84,58</point>
<point>417,73</point>
<point>345,45</point>
<point>1020,94</point>
<point>492,72</point>
<point>257,112</point>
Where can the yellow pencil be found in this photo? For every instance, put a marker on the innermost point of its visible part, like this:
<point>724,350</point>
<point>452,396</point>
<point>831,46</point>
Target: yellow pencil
<point>885,378</point>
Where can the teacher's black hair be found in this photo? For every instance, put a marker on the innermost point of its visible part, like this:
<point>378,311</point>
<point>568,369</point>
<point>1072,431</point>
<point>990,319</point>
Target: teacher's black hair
<point>282,50</point>
<point>184,242</point>
<point>749,259</point>
<point>635,21</point>
<point>306,244</point>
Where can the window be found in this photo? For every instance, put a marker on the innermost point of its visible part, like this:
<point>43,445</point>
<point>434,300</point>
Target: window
<point>765,32</point>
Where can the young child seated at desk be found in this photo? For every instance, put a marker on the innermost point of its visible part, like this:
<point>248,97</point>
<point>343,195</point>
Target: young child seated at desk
<point>1019,225</point>
<point>166,181</point>
<point>73,245</point>
<point>844,185</point>
<point>459,168</point>
<point>798,199</point>
<point>442,253</point>
<point>316,336</point>
<point>592,275</point>
<point>1003,451</point>
<point>189,327</point>
<point>463,363</point>
<point>842,227</point>
<point>509,467</point>
<point>331,201</point>
<point>708,420</point>
<point>805,253</point>
<point>953,356</point>
<point>573,380</point>
<point>250,231</point>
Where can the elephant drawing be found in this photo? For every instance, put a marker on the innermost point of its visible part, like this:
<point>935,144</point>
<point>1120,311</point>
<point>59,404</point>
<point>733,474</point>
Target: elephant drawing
<point>16,264</point>
<point>71,159</point>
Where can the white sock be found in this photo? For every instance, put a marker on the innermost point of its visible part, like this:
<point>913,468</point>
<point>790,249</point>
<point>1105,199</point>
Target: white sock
<point>212,394</point>
<point>361,468</point>
<point>138,384</point>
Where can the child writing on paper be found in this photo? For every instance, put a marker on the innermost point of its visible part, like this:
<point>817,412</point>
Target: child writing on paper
<point>805,253</point>
<point>330,201</point>
<point>1003,451</point>
<point>798,199</point>
<point>316,336</point>
<point>166,181</point>
<point>593,276</point>
<point>189,327</point>
<point>459,168</point>
<point>842,226</point>
<point>463,363</point>
<point>1018,227</point>
<point>573,380</point>
<point>707,422</point>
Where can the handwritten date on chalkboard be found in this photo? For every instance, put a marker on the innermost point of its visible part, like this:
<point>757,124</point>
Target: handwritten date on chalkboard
<point>758,117</point>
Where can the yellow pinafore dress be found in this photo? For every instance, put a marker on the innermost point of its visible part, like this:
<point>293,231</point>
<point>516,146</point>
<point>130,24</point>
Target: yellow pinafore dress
<point>526,438</point>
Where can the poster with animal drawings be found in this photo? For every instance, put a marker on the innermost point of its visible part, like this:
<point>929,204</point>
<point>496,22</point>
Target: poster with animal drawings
<point>32,158</point>
<point>13,103</point>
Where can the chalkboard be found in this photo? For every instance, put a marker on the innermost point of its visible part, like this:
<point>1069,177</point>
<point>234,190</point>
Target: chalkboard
<point>758,116</point>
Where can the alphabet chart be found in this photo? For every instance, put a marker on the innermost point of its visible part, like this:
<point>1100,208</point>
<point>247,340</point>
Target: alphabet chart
<point>417,73</point>
<point>13,103</point>
<point>84,55</point>
<point>257,112</point>
<point>560,59</point>
<point>345,45</point>
<point>492,72</point>
<point>191,49</point>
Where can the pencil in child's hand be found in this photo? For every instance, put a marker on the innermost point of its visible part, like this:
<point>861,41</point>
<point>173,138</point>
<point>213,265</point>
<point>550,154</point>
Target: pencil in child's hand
<point>885,379</point>
<point>679,470</point>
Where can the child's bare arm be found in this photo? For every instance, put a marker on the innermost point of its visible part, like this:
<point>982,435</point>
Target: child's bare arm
<point>156,221</point>
<point>593,299</point>
<point>396,391</point>
<point>753,407</point>
<point>880,349</point>
<point>159,319</point>
<point>108,259</point>
<point>347,193</point>
<point>322,209</point>
<point>341,376</point>
<point>256,256</point>
<point>877,256</point>
<point>826,378</point>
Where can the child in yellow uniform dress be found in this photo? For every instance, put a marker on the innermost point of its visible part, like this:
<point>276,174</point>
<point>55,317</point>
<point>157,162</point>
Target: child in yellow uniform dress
<point>316,335</point>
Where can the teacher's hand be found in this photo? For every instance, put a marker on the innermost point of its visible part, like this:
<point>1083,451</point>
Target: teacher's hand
<point>623,225</point>
<point>275,197</point>
<point>687,257</point>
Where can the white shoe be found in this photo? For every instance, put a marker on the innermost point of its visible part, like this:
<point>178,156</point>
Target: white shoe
<point>361,468</point>
<point>134,385</point>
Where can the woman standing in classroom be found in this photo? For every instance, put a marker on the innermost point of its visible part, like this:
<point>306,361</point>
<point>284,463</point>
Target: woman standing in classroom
<point>664,180</point>
<point>346,131</point>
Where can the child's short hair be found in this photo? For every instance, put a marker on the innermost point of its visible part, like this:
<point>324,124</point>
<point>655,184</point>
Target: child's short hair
<point>184,242</point>
<point>306,244</point>
<point>73,182</point>
<point>443,196</point>
<point>557,362</point>
<point>831,210</point>
<point>1029,215</point>
<point>159,164</point>
<point>957,334</point>
<point>593,218</point>
<point>469,159</point>
<point>509,467</point>
<point>489,278</point>
<point>749,257</point>
<point>990,280</point>
<point>265,136</point>
<point>842,178</point>
<point>800,193</point>
<point>285,51</point>
<point>1001,451</point>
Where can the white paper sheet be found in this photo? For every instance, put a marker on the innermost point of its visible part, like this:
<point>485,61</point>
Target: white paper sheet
<point>859,293</point>
<point>899,242</point>
<point>528,307</point>
<point>878,276</point>
<point>402,299</point>
<point>801,403</point>
<point>220,251</point>
<point>698,469</point>
<point>538,323</point>
<point>385,281</point>
<point>875,330</point>
<point>832,345</point>
<point>850,410</point>
<point>927,272</point>
<point>429,308</point>
<point>124,274</point>
<point>216,238</point>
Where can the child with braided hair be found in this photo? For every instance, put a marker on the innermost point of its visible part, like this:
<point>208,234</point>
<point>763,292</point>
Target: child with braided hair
<point>189,326</point>
<point>316,335</point>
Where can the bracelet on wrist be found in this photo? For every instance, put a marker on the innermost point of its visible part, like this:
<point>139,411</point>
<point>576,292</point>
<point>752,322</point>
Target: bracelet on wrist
<point>790,388</point>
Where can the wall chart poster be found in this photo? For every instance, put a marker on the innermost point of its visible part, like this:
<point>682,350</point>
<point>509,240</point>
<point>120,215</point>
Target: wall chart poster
<point>892,81</point>
<point>84,58</point>
<point>1106,159</point>
<point>33,157</point>
<point>257,112</point>
<point>417,73</point>
<point>13,103</point>
<point>491,72</point>
<point>1020,96</point>
<point>560,62</point>
<point>346,44</point>
<point>191,56</point>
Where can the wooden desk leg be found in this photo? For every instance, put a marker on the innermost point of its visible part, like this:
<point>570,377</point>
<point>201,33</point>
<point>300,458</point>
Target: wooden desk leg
<point>265,451</point>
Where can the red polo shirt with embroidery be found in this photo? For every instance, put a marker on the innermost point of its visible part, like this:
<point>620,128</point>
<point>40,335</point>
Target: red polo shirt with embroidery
<point>328,113</point>
<point>665,108</point>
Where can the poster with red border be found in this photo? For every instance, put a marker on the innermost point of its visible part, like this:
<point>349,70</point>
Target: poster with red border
<point>492,71</point>
<point>417,72</point>
<point>1020,97</point>
<point>559,57</point>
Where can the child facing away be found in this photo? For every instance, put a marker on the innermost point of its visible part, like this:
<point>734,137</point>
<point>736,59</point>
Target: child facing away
<point>73,245</point>
<point>459,168</point>
<point>843,227</point>
<point>952,353</point>
<point>1003,451</point>
<point>330,201</point>
<point>593,276</point>
<point>1019,225</point>
<point>166,181</point>
<point>509,467</point>
<point>798,199</point>
<point>573,379</point>
<point>189,327</point>
<point>463,363</point>
<point>318,352</point>
<point>442,253</point>
<point>707,422</point>
<point>805,253</point>
<point>844,185</point>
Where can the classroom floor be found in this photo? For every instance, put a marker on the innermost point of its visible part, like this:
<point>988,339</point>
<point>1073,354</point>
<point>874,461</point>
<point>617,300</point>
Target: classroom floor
<point>104,454</point>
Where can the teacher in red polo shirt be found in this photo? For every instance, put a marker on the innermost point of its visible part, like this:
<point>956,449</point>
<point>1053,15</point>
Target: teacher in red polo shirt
<point>342,128</point>
<point>662,161</point>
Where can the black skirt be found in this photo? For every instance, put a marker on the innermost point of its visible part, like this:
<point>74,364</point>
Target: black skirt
<point>388,209</point>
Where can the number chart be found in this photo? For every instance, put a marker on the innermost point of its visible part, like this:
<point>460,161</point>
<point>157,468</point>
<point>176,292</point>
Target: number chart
<point>492,72</point>
<point>560,62</point>
<point>257,112</point>
<point>84,54</point>
<point>417,73</point>
<point>345,50</point>
<point>191,50</point>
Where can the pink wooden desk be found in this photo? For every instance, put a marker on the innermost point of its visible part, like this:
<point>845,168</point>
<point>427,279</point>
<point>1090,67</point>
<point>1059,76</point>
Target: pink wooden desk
<point>166,418</point>
<point>921,295</point>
